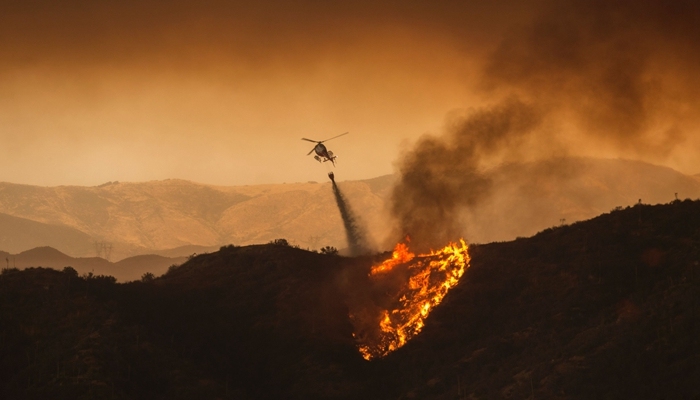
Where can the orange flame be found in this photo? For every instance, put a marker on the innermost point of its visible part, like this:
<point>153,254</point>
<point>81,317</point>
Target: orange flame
<point>400,256</point>
<point>431,276</point>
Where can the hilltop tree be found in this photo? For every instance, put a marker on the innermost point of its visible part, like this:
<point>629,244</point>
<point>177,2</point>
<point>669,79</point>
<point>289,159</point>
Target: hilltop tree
<point>330,250</point>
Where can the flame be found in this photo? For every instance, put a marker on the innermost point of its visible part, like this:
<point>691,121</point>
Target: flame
<point>401,255</point>
<point>430,277</point>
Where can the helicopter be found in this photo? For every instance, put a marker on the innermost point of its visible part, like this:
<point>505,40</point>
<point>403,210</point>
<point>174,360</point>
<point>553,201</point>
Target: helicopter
<point>322,153</point>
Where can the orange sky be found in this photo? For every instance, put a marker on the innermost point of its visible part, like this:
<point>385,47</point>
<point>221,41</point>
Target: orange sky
<point>222,92</point>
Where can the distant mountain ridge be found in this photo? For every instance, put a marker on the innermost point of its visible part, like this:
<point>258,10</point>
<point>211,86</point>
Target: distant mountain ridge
<point>138,218</point>
<point>153,217</point>
<point>526,198</point>
<point>128,269</point>
<point>135,217</point>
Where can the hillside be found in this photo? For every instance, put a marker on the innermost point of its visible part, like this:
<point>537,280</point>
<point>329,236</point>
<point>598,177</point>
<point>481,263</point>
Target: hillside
<point>20,234</point>
<point>605,308</point>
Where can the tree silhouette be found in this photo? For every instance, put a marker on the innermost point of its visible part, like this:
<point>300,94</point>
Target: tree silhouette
<point>330,250</point>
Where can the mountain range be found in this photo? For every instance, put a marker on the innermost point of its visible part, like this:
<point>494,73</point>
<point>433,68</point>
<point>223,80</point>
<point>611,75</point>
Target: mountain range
<point>118,220</point>
<point>143,218</point>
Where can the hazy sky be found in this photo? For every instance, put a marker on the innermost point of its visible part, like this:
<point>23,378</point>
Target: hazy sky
<point>222,92</point>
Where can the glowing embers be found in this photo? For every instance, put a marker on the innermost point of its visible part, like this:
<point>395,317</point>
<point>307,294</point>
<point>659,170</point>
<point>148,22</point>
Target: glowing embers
<point>414,285</point>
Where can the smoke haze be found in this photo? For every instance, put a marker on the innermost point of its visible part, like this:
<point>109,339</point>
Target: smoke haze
<point>583,78</point>
<point>91,91</point>
<point>621,73</point>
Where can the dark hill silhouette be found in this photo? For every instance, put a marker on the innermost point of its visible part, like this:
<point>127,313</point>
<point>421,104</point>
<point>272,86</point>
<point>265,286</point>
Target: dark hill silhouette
<point>605,308</point>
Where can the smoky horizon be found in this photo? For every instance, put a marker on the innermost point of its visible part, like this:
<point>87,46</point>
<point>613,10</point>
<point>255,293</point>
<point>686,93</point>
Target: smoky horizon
<point>222,92</point>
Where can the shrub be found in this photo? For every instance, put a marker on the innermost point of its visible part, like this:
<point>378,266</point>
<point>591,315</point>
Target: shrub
<point>70,271</point>
<point>330,250</point>
<point>9,270</point>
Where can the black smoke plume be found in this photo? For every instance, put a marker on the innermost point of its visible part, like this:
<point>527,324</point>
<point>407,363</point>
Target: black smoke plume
<point>354,232</point>
<point>442,176</point>
<point>590,77</point>
<point>622,74</point>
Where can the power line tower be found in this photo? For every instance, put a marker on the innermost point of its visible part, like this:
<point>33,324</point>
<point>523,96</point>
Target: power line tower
<point>108,251</point>
<point>103,250</point>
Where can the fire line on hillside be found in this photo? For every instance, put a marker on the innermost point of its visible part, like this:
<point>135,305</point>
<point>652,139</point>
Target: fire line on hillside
<point>428,278</point>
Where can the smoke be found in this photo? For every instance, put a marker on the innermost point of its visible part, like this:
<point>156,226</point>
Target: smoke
<point>602,78</point>
<point>442,176</point>
<point>354,232</point>
<point>622,74</point>
<point>528,197</point>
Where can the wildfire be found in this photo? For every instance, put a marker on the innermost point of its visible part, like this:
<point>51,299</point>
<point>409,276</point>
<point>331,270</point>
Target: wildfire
<point>430,277</point>
<point>401,255</point>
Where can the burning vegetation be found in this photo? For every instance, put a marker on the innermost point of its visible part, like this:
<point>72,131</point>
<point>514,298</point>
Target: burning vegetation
<point>409,287</point>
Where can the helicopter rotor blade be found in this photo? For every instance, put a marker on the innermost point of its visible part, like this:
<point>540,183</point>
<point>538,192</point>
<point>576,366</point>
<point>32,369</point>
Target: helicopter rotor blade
<point>334,137</point>
<point>312,150</point>
<point>309,140</point>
